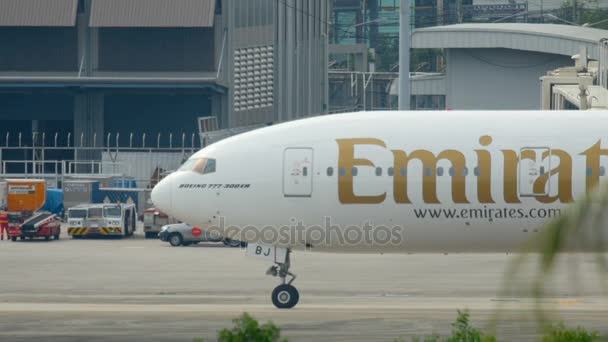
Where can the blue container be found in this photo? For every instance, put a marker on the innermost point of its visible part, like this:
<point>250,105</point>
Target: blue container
<point>54,201</point>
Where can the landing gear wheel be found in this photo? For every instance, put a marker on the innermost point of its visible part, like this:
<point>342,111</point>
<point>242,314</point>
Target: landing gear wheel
<point>285,296</point>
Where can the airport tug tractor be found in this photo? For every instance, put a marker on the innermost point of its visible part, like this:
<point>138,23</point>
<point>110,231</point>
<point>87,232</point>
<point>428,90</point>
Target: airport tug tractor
<point>113,220</point>
<point>39,225</point>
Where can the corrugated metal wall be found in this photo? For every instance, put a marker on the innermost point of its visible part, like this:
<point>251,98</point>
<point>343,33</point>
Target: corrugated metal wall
<point>296,33</point>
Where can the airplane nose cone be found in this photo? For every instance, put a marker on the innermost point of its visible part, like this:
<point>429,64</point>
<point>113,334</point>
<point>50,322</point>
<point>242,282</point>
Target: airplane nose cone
<point>161,195</point>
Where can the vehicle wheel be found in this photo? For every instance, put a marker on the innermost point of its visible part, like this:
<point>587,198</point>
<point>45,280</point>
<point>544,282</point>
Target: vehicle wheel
<point>14,238</point>
<point>232,243</point>
<point>285,296</point>
<point>56,236</point>
<point>47,238</point>
<point>175,239</point>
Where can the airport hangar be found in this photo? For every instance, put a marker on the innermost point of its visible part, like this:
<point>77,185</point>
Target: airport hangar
<point>496,66</point>
<point>93,67</point>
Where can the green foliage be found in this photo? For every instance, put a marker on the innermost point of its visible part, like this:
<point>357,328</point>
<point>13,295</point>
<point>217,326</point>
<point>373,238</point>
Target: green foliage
<point>463,331</point>
<point>559,333</point>
<point>247,329</point>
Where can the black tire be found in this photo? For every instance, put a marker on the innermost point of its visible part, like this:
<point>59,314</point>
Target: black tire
<point>285,296</point>
<point>14,238</point>
<point>176,239</point>
<point>231,243</point>
<point>47,238</point>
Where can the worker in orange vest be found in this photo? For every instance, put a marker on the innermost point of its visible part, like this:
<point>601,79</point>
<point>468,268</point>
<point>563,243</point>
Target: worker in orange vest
<point>3,224</point>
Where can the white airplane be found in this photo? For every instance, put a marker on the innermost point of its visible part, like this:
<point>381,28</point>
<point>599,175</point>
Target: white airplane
<point>389,182</point>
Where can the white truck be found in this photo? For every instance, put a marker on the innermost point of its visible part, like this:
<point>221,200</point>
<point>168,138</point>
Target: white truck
<point>118,220</point>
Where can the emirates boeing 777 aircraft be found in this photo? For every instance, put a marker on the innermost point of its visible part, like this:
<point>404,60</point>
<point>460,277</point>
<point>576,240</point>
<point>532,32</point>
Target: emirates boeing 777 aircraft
<point>389,182</point>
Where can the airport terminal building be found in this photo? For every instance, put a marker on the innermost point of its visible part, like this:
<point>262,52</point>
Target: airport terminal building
<point>92,67</point>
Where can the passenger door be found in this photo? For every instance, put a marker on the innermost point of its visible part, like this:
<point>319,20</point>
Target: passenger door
<point>297,172</point>
<point>534,162</point>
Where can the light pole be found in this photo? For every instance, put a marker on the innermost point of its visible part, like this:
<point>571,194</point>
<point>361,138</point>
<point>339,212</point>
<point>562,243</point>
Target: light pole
<point>404,55</point>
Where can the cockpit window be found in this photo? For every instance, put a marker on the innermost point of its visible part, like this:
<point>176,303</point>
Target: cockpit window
<point>200,165</point>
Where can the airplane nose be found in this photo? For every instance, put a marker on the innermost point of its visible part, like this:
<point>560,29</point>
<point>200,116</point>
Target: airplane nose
<point>161,195</point>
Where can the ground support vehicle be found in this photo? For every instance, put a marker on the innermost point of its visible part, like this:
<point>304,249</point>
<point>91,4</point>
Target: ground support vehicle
<point>154,220</point>
<point>39,225</point>
<point>183,234</point>
<point>95,220</point>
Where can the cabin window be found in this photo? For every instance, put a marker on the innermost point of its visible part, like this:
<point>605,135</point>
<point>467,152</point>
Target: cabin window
<point>476,171</point>
<point>589,172</point>
<point>602,171</point>
<point>330,171</point>
<point>354,171</point>
<point>391,171</point>
<point>199,165</point>
<point>342,172</point>
<point>403,172</point>
<point>452,171</point>
<point>428,171</point>
<point>378,171</point>
<point>440,171</point>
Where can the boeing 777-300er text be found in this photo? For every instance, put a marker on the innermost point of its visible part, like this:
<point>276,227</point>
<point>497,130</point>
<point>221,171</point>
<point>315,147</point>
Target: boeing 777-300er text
<point>389,182</point>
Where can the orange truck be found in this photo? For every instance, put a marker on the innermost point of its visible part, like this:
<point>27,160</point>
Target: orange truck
<point>24,198</point>
<point>25,195</point>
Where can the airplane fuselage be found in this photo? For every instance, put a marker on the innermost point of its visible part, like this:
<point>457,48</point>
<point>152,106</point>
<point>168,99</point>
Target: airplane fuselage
<point>394,181</point>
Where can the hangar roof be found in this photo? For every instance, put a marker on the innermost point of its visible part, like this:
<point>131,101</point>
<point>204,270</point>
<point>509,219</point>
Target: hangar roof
<point>546,38</point>
<point>38,12</point>
<point>152,13</point>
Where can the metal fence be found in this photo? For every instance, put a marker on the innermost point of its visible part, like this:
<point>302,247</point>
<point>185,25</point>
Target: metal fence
<point>144,158</point>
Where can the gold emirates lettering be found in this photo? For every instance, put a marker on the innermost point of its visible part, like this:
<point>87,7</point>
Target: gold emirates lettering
<point>511,159</point>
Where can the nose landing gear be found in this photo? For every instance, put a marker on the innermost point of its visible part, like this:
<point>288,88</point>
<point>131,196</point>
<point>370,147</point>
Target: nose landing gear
<point>284,296</point>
